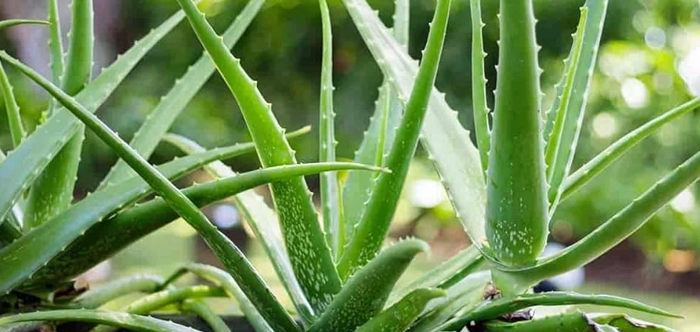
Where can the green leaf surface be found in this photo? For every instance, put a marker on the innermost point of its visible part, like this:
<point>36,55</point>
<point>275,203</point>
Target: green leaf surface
<point>616,150</point>
<point>516,208</point>
<point>479,105</point>
<point>28,161</point>
<point>447,142</point>
<point>17,132</point>
<point>625,323</point>
<point>116,319</point>
<point>606,236</point>
<point>14,22</point>
<point>379,137</point>
<point>400,316</point>
<point>163,298</point>
<point>231,257</point>
<point>263,221</point>
<point>572,94</point>
<point>374,225</point>
<point>112,235</point>
<point>365,293</point>
<point>331,204</point>
<point>174,102</point>
<point>496,308</point>
<point>221,278</point>
<point>463,296</point>
<point>567,322</point>
<point>96,297</point>
<point>24,256</point>
<point>207,314</point>
<point>306,244</point>
<point>444,275</point>
<point>55,46</point>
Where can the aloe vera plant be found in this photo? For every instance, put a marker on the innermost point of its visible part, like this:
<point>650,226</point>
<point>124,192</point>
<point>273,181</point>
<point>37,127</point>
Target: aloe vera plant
<point>334,270</point>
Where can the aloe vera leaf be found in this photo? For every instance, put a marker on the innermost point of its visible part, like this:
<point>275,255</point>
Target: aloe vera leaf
<point>596,165</point>
<point>479,104</point>
<point>155,301</point>
<point>106,238</point>
<point>379,135</point>
<point>627,324</point>
<point>263,221</point>
<point>574,103</point>
<point>29,160</point>
<point>231,257</point>
<point>463,296</point>
<point>447,142</point>
<point>370,233</point>
<point>331,205</point>
<point>623,224</point>
<point>24,256</point>
<point>112,318</point>
<point>496,308</point>
<point>96,297</point>
<point>221,278</point>
<point>400,316</point>
<point>14,22</point>
<point>17,131</point>
<point>52,192</point>
<point>306,244</point>
<point>201,309</point>
<point>173,103</point>
<point>570,322</point>
<point>364,294</point>
<point>55,44</point>
<point>444,275</point>
<point>565,89</point>
<point>516,205</point>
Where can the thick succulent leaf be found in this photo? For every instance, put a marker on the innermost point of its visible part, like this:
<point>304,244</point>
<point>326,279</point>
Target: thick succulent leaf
<point>207,314</point>
<point>174,102</point>
<point>112,235</point>
<point>17,132</point>
<point>52,192</point>
<point>229,254</point>
<point>496,308</point>
<point>379,135</point>
<point>463,296</point>
<point>516,207</point>
<point>221,278</point>
<point>616,150</point>
<point>627,324</point>
<point>446,274</point>
<point>447,142</point>
<point>569,322</point>
<point>479,105</point>
<point>374,225</point>
<point>96,297</point>
<point>13,22</point>
<point>606,236</point>
<point>29,160</point>
<point>572,96</point>
<point>263,221</point>
<point>157,300</point>
<point>306,244</point>
<point>55,45</point>
<point>331,205</point>
<point>400,316</point>
<point>116,319</point>
<point>365,293</point>
<point>29,253</point>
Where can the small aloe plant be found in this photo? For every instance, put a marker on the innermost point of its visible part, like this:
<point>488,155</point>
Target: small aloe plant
<point>334,270</point>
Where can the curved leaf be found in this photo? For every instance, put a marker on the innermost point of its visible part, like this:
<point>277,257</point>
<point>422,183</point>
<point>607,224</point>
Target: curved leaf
<point>365,293</point>
<point>109,291</point>
<point>374,225</point>
<point>17,132</point>
<point>14,22</point>
<point>208,315</point>
<point>496,308</point>
<point>401,315</point>
<point>480,107</point>
<point>117,319</point>
<point>306,244</point>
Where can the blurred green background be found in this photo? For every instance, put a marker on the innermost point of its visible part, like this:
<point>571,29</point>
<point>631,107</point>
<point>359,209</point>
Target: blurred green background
<point>649,62</point>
